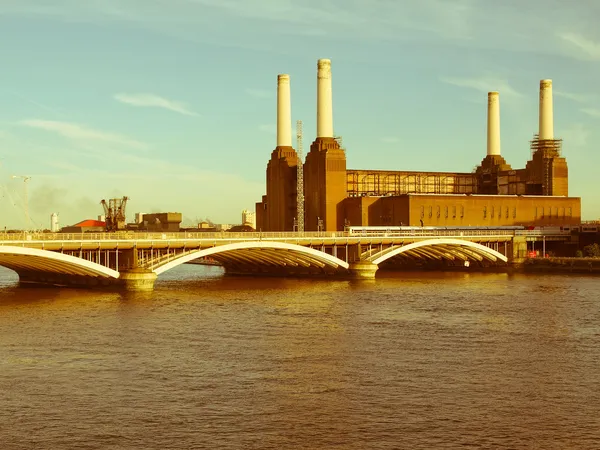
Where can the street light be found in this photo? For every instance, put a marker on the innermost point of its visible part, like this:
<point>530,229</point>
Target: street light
<point>25,180</point>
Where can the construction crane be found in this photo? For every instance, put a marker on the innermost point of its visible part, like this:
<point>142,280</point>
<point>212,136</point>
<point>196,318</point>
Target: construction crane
<point>114,212</point>
<point>26,200</point>
<point>300,178</point>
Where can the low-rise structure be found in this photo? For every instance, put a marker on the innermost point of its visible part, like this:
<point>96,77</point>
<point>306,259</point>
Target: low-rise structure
<point>86,226</point>
<point>169,222</point>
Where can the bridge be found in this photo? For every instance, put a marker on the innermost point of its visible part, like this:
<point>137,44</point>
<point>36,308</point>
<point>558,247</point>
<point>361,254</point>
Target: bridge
<point>133,260</point>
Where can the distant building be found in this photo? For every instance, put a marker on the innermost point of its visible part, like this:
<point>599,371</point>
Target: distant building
<point>169,222</point>
<point>249,218</point>
<point>54,226</point>
<point>86,226</point>
<point>206,227</point>
<point>241,228</point>
<point>139,217</point>
<point>223,226</point>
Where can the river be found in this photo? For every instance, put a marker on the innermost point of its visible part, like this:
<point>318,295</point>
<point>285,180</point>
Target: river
<point>411,360</point>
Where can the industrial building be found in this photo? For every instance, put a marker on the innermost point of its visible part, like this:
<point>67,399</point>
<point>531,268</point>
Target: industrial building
<point>335,197</point>
<point>161,222</point>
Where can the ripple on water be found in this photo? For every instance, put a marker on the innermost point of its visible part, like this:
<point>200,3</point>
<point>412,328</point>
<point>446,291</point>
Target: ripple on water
<point>415,360</point>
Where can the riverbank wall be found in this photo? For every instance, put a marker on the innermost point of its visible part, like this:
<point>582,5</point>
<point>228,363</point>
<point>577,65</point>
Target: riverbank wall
<point>562,265</point>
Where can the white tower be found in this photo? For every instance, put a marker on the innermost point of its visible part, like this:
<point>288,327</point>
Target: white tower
<point>546,130</point>
<point>54,225</point>
<point>493,124</point>
<point>324,99</point>
<point>284,112</point>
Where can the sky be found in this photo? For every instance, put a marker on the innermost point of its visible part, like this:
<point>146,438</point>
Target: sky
<point>173,102</point>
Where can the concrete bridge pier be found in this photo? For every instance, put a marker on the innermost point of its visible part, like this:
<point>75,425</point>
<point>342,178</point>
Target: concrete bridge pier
<point>363,270</point>
<point>137,279</point>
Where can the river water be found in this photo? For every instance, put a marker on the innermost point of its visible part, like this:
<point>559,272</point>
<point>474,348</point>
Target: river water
<point>410,360</point>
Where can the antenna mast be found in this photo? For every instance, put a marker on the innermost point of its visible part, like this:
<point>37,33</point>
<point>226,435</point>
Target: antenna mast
<point>300,177</point>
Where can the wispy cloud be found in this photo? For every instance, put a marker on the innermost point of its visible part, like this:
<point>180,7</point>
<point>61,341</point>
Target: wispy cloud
<point>46,108</point>
<point>154,101</point>
<point>484,84</point>
<point>579,98</point>
<point>588,49</point>
<point>481,24</point>
<point>268,128</point>
<point>259,93</point>
<point>577,135</point>
<point>594,112</point>
<point>81,133</point>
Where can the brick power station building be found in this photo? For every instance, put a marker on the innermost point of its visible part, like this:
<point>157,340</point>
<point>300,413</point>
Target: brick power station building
<point>494,194</point>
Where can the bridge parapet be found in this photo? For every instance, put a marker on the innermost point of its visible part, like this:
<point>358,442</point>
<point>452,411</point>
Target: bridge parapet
<point>247,236</point>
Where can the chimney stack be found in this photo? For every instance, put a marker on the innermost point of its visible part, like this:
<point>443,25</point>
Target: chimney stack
<point>284,112</point>
<point>493,124</point>
<point>324,100</point>
<point>546,130</point>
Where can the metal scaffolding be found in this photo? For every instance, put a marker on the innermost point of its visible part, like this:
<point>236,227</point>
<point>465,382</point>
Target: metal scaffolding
<point>300,178</point>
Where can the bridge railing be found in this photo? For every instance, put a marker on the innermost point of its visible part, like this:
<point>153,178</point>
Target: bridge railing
<point>247,236</point>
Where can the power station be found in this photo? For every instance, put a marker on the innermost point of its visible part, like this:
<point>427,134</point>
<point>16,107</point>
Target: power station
<point>335,197</point>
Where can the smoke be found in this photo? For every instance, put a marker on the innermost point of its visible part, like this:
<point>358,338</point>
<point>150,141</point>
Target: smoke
<point>47,199</point>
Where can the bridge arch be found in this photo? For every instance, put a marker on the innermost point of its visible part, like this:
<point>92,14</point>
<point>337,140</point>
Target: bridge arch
<point>27,260</point>
<point>269,252</point>
<point>441,249</point>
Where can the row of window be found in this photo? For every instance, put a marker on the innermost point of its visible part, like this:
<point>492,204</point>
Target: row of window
<point>549,212</point>
<point>448,212</point>
<point>493,212</point>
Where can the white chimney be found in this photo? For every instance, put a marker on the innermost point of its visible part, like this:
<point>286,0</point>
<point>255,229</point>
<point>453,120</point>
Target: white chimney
<point>546,130</point>
<point>284,112</point>
<point>493,124</point>
<point>324,99</point>
<point>54,226</point>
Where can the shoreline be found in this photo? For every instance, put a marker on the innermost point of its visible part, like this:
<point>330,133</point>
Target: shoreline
<point>562,265</point>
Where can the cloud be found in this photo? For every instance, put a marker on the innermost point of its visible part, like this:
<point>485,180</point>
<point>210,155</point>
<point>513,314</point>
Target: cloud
<point>46,108</point>
<point>577,135</point>
<point>259,93</point>
<point>154,101</point>
<point>82,133</point>
<point>484,84</point>
<point>579,98</point>
<point>588,49</point>
<point>268,128</point>
<point>591,112</point>
<point>264,25</point>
